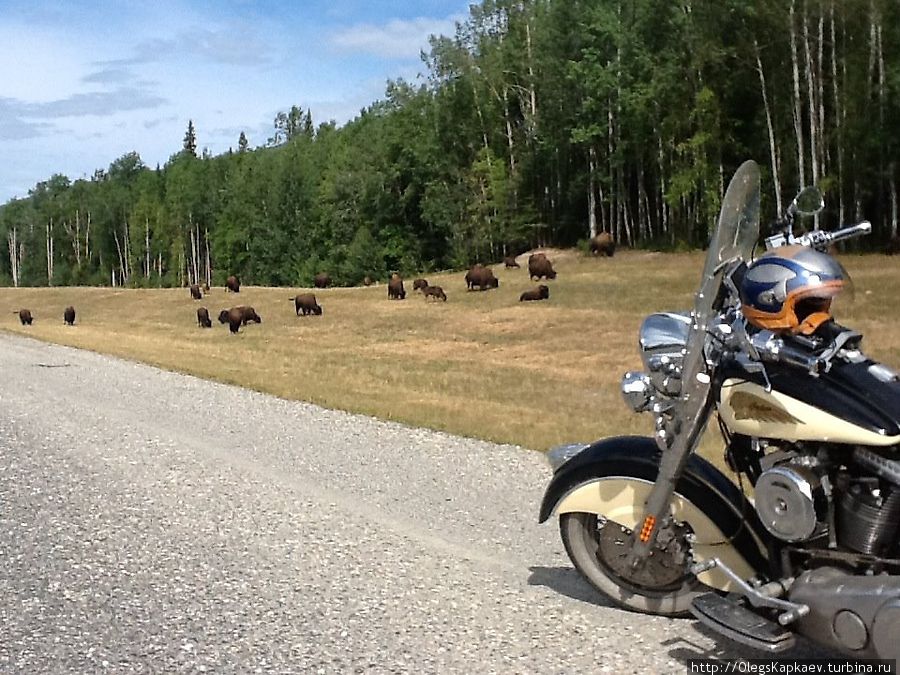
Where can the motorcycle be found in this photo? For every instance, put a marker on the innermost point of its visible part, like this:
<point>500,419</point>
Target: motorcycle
<point>811,428</point>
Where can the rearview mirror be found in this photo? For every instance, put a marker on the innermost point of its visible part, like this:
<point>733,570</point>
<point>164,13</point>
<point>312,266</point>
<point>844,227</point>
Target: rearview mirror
<point>809,202</point>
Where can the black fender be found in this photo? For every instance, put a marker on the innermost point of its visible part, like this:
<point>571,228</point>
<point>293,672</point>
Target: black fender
<point>701,483</point>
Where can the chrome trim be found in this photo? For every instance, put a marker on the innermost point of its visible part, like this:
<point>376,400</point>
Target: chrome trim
<point>637,391</point>
<point>563,453</point>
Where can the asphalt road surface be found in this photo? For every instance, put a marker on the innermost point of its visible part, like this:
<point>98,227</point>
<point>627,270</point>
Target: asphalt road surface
<point>154,522</point>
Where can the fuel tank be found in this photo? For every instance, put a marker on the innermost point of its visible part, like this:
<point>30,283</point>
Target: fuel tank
<point>854,402</point>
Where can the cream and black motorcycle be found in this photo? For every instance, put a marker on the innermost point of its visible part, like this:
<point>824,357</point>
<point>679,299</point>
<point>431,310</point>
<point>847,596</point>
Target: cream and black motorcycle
<point>810,422</point>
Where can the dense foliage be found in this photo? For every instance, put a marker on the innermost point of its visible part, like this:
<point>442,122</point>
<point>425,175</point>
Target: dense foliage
<point>542,121</point>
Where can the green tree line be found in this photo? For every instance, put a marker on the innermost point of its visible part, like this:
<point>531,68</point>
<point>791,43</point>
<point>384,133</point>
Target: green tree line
<point>541,122</point>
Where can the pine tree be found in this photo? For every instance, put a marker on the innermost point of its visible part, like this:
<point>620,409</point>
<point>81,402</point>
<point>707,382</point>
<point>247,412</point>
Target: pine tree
<point>190,139</point>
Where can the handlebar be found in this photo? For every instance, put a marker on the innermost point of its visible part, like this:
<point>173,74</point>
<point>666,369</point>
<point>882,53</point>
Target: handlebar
<point>818,239</point>
<point>773,349</point>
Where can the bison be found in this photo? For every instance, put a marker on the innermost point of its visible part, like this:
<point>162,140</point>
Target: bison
<point>539,265</point>
<point>322,280</point>
<point>195,292</point>
<point>232,284</point>
<point>510,262</point>
<point>542,292</point>
<point>234,317</point>
<point>24,316</point>
<point>435,292</point>
<point>367,280</point>
<point>420,284</point>
<point>238,316</point>
<point>69,316</point>
<point>482,277</point>
<point>603,243</point>
<point>203,318</point>
<point>395,288</point>
<point>893,246</point>
<point>306,303</point>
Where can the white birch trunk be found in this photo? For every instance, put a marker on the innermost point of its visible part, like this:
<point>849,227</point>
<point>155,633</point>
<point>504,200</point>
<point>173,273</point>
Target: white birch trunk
<point>13,242</point>
<point>773,154</point>
<point>798,111</point>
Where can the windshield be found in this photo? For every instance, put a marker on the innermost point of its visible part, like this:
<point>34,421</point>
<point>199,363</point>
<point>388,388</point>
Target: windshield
<point>735,234</point>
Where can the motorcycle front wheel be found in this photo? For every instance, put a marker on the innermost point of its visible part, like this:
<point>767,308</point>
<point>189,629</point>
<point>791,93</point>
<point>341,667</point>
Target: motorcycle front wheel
<point>599,547</point>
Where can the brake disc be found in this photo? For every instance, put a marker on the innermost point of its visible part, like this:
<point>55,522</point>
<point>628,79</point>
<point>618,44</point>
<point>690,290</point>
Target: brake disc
<point>664,567</point>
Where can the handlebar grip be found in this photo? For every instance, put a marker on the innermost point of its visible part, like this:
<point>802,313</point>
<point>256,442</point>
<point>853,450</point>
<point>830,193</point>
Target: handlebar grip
<point>865,227</point>
<point>796,357</point>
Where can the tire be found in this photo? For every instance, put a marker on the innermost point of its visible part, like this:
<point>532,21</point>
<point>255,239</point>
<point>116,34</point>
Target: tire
<point>581,536</point>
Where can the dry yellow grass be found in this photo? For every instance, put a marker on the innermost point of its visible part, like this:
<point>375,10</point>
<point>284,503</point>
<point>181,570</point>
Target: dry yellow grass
<point>482,364</point>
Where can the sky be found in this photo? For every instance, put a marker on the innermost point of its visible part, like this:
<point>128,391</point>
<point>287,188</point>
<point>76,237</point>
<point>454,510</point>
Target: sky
<point>83,83</point>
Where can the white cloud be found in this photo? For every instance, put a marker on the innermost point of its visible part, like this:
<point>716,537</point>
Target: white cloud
<point>398,38</point>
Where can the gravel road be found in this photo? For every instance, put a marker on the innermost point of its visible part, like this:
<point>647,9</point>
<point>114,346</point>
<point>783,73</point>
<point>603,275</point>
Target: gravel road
<point>155,522</point>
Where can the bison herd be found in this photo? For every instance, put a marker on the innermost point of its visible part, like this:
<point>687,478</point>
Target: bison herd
<point>478,277</point>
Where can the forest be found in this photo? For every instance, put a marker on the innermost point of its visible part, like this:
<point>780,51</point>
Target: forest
<point>540,122</point>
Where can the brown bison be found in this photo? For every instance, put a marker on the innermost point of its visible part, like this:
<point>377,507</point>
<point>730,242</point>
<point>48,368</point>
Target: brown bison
<point>322,280</point>
<point>232,284</point>
<point>203,318</point>
<point>234,317</point>
<point>893,246</point>
<point>238,316</point>
<point>367,280</point>
<point>420,284</point>
<point>395,288</point>
<point>69,316</point>
<point>539,265</point>
<point>510,261</point>
<point>542,292</point>
<point>195,292</point>
<point>482,277</point>
<point>24,316</point>
<point>435,292</point>
<point>603,243</point>
<point>206,288</point>
<point>306,303</point>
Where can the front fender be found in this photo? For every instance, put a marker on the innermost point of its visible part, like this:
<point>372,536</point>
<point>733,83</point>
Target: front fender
<point>614,477</point>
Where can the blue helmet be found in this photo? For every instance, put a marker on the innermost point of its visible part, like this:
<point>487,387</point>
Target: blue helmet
<point>790,289</point>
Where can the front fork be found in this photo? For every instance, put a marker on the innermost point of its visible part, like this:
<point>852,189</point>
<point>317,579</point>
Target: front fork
<point>692,411</point>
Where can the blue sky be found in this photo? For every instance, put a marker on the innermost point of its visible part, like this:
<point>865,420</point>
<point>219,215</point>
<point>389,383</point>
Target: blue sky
<point>81,84</point>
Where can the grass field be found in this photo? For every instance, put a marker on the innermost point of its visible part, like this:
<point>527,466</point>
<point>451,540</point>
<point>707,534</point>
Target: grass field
<point>482,364</point>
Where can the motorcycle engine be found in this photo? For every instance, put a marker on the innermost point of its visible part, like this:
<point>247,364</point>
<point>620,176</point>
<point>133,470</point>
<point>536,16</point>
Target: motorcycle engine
<point>868,507</point>
<point>792,499</point>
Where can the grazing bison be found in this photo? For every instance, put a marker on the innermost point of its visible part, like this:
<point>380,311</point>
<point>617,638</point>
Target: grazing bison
<point>893,247</point>
<point>24,316</point>
<point>395,288</point>
<point>539,265</point>
<point>322,280</point>
<point>435,292</point>
<point>234,317</point>
<point>203,318</point>
<point>482,277</point>
<point>195,292</point>
<point>306,303</point>
<point>420,284</point>
<point>249,314</point>
<point>232,284</point>
<point>69,316</point>
<point>603,243</point>
<point>367,280</point>
<point>542,292</point>
<point>510,261</point>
